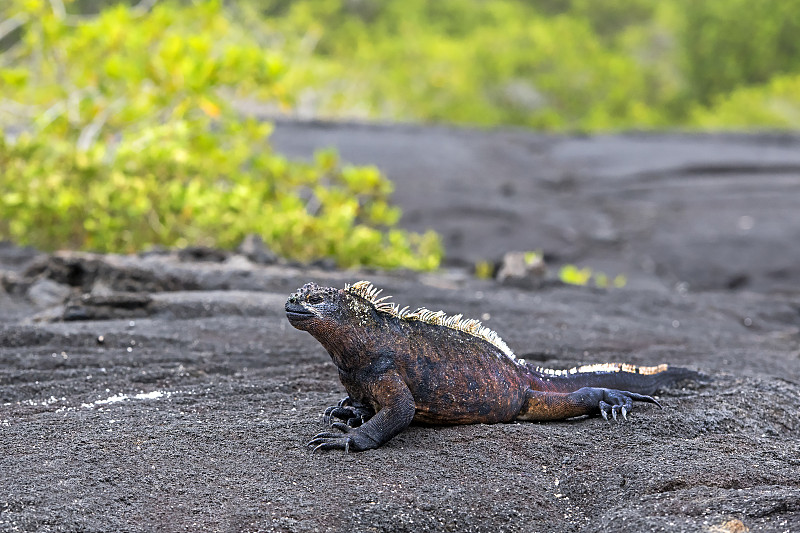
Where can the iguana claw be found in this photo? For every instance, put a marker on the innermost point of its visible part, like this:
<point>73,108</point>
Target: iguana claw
<point>350,438</point>
<point>621,402</point>
<point>354,414</point>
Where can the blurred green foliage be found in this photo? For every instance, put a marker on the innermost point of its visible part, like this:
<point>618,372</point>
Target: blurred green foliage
<point>550,64</point>
<point>728,44</point>
<point>120,130</point>
<point>119,134</point>
<point>776,104</point>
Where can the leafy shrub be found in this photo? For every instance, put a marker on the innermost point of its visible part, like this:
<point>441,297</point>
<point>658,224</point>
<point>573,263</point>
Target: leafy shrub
<point>774,104</point>
<point>499,62</point>
<point>727,44</point>
<point>552,64</point>
<point>119,133</point>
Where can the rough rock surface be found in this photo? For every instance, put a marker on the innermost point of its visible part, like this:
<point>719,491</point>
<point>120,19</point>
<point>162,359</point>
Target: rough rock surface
<point>168,392</point>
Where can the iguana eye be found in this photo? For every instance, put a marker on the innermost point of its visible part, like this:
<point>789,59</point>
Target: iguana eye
<point>315,299</point>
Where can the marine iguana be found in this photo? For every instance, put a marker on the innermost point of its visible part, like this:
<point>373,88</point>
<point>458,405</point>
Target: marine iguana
<point>400,366</point>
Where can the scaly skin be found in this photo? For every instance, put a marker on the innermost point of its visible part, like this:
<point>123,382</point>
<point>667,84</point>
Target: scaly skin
<point>400,367</point>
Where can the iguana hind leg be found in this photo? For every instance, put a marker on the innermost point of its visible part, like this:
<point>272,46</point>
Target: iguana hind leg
<point>540,405</point>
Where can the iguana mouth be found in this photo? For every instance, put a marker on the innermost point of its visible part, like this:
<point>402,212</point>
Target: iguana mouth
<point>297,313</point>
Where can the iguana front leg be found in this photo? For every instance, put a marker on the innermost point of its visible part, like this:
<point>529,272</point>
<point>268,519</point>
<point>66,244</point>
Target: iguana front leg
<point>541,405</point>
<point>397,411</point>
<point>352,412</point>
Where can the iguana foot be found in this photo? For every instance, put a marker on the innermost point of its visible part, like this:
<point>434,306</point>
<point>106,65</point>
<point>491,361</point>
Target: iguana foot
<point>349,439</point>
<point>353,413</point>
<point>618,402</point>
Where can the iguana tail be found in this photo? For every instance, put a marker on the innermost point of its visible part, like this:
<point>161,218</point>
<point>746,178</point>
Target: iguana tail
<point>620,376</point>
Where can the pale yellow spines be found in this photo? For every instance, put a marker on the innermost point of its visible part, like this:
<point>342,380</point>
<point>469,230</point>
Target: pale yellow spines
<point>605,367</point>
<point>369,292</point>
<point>473,327</point>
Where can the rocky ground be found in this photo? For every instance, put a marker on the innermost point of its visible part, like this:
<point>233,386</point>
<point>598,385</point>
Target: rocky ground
<point>168,392</point>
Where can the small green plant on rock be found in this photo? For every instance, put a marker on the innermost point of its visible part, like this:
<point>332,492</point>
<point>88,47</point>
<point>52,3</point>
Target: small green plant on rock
<point>573,275</point>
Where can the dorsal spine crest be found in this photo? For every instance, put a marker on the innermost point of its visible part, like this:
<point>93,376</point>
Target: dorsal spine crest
<point>369,292</point>
<point>471,326</point>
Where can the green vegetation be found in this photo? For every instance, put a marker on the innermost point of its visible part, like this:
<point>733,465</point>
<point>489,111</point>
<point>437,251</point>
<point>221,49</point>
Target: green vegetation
<point>120,131</point>
<point>552,64</point>
<point>116,140</point>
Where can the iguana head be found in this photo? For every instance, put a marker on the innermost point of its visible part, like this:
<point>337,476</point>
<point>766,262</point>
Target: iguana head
<point>333,316</point>
<point>312,307</point>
